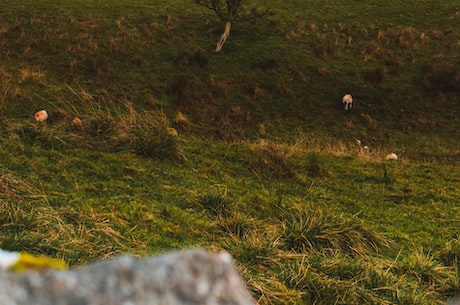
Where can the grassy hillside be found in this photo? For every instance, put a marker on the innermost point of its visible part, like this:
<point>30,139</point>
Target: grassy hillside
<point>265,164</point>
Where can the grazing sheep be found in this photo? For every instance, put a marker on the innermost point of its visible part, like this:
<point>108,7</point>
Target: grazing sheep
<point>347,100</point>
<point>391,156</point>
<point>172,132</point>
<point>77,122</point>
<point>361,143</point>
<point>41,116</point>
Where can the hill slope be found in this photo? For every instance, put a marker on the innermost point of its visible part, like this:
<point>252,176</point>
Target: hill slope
<point>265,165</point>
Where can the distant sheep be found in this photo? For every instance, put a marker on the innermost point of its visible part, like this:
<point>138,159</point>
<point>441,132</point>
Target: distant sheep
<point>172,132</point>
<point>77,122</point>
<point>41,116</point>
<point>391,156</point>
<point>347,101</point>
<point>361,143</point>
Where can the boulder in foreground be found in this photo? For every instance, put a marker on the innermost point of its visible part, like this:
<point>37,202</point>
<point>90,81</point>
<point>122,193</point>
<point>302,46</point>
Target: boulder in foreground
<point>180,278</point>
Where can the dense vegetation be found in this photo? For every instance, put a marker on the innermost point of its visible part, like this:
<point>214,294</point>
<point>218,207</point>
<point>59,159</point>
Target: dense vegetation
<point>154,142</point>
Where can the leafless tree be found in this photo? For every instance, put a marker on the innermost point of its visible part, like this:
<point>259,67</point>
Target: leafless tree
<point>227,11</point>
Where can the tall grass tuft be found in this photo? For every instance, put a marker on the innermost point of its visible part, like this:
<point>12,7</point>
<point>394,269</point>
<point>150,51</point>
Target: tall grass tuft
<point>149,135</point>
<point>75,236</point>
<point>427,271</point>
<point>315,167</point>
<point>450,253</point>
<point>36,134</point>
<point>309,229</point>
<point>217,204</point>
<point>237,224</point>
<point>272,159</point>
<point>254,248</point>
<point>317,286</point>
<point>13,187</point>
<point>146,134</point>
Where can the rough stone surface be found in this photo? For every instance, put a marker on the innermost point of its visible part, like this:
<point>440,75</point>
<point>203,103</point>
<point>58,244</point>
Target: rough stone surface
<point>454,301</point>
<point>187,277</point>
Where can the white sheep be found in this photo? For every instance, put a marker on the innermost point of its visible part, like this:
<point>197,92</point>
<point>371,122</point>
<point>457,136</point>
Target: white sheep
<point>77,122</point>
<point>172,132</point>
<point>391,156</point>
<point>361,143</point>
<point>41,116</point>
<point>347,100</point>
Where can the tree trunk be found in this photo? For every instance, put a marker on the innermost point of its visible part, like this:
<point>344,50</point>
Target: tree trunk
<point>224,36</point>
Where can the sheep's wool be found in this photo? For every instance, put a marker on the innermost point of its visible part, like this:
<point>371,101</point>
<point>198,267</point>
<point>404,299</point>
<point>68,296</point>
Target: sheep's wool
<point>391,156</point>
<point>41,116</point>
<point>347,100</point>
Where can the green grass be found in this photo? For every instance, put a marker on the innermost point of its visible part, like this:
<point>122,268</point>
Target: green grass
<point>265,164</point>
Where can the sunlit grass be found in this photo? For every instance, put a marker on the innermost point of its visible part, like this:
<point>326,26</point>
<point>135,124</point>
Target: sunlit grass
<point>154,142</point>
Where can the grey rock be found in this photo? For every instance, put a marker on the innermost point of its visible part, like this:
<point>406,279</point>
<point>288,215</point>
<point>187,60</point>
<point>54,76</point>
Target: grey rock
<point>179,278</point>
<point>454,300</point>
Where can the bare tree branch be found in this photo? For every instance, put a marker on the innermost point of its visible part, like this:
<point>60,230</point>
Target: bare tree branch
<point>229,10</point>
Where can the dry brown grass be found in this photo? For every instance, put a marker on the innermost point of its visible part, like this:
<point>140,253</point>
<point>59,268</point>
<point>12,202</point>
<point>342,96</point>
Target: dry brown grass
<point>15,188</point>
<point>271,158</point>
<point>306,143</point>
<point>27,74</point>
<point>4,93</point>
<point>48,230</point>
<point>276,155</point>
<point>181,121</point>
